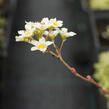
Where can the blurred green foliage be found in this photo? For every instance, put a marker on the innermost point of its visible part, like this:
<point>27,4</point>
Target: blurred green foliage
<point>102,72</point>
<point>99,4</point>
<point>107,31</point>
<point>105,34</point>
<point>2,33</point>
<point>1,2</point>
<point>2,22</point>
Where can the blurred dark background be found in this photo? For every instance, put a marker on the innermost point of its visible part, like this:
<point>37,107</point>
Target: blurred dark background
<point>31,80</point>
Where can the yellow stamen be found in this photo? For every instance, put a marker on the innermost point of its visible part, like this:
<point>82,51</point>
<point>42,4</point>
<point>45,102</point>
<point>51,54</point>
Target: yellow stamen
<point>28,33</point>
<point>55,24</point>
<point>52,37</point>
<point>41,46</point>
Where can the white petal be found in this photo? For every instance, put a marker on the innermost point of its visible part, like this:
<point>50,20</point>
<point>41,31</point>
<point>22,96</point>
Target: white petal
<point>30,26</point>
<point>21,32</point>
<point>42,40</point>
<point>37,24</point>
<point>71,33</point>
<point>49,43</point>
<point>43,50</point>
<point>34,42</point>
<point>60,23</point>
<point>57,29</point>
<point>19,38</point>
<point>53,20</point>
<point>54,33</point>
<point>34,48</point>
<point>27,27</point>
<point>45,20</point>
<point>26,22</point>
<point>46,33</point>
<point>30,33</point>
<point>64,29</point>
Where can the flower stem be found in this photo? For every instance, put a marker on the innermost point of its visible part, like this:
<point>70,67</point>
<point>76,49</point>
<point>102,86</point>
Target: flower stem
<point>61,59</point>
<point>61,45</point>
<point>88,78</point>
<point>56,47</point>
<point>52,53</point>
<point>74,72</point>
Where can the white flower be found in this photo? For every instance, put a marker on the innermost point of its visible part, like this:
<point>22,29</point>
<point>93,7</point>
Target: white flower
<point>44,24</point>
<point>45,21</point>
<point>34,26</point>
<point>33,42</point>
<point>19,38</point>
<point>41,45</point>
<point>51,34</point>
<point>40,29</point>
<point>64,33</point>
<point>24,35</point>
<point>41,26</point>
<point>30,26</point>
<point>56,23</point>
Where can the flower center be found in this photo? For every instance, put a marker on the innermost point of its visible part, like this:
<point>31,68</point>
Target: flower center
<point>41,46</point>
<point>28,33</point>
<point>55,24</point>
<point>32,27</point>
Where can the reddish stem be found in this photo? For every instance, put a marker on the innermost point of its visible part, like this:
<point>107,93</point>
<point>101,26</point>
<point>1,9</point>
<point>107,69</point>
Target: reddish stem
<point>91,80</point>
<point>74,72</point>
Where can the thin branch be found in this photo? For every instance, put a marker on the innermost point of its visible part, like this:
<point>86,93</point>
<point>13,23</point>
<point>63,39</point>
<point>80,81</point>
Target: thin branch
<point>61,45</point>
<point>56,47</point>
<point>74,72</point>
<point>48,34</point>
<point>88,78</point>
<point>47,37</point>
<point>51,52</point>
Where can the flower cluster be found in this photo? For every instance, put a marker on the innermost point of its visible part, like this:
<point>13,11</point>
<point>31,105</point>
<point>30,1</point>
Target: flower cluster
<point>42,34</point>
